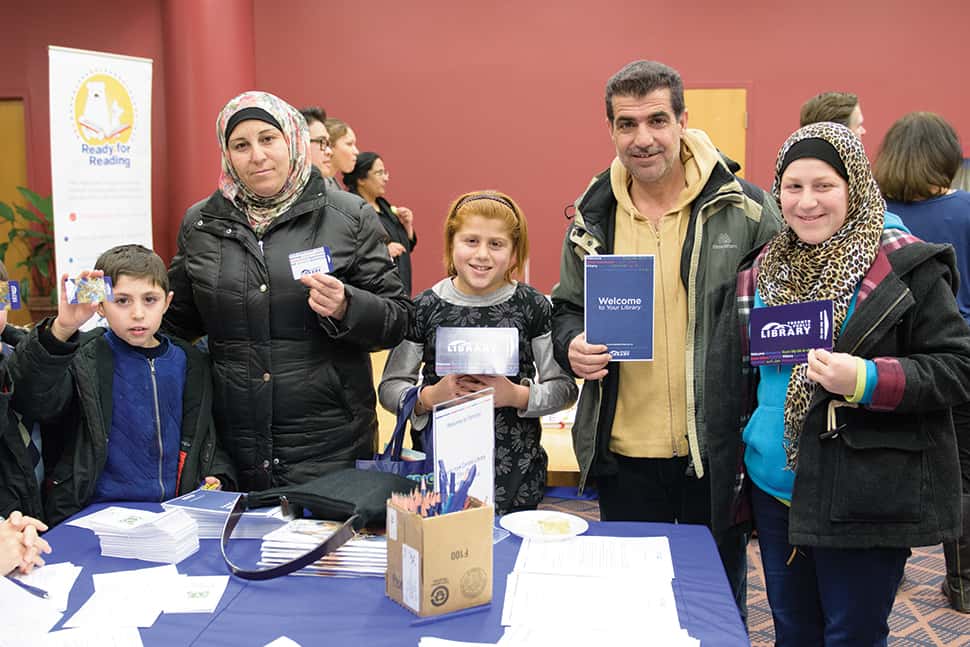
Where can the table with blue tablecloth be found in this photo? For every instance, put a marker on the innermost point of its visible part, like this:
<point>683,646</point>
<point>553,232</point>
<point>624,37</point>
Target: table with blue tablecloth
<point>355,611</point>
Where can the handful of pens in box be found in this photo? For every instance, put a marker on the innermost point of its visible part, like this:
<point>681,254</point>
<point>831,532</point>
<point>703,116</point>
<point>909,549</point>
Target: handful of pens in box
<point>449,497</point>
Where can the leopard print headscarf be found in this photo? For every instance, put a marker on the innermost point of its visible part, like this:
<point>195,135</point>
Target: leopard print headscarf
<point>792,271</point>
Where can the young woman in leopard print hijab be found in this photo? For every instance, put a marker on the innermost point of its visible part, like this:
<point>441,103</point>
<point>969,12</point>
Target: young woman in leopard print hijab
<point>819,256</point>
<point>852,454</point>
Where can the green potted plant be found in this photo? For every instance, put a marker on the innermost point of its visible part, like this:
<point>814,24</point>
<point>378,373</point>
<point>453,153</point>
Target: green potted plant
<point>33,227</point>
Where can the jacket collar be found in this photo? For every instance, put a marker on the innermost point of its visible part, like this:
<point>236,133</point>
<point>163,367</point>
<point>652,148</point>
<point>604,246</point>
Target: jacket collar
<point>313,197</point>
<point>593,222</point>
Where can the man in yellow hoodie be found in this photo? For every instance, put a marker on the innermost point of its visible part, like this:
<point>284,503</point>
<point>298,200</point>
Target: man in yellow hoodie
<point>640,426</point>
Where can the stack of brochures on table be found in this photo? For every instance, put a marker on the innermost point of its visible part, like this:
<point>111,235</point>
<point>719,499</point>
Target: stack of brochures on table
<point>210,508</point>
<point>362,556</point>
<point>627,579</point>
<point>168,536</point>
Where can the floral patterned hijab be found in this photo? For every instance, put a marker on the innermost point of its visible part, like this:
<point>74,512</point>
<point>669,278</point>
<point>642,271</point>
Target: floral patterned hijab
<point>261,210</point>
<point>792,271</point>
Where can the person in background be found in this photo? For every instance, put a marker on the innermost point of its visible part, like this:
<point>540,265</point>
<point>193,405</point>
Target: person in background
<point>20,546</point>
<point>851,454</point>
<point>135,405</point>
<point>486,246</point>
<point>344,143</point>
<point>917,162</point>
<point>838,107</point>
<point>668,193</point>
<point>369,180</point>
<point>321,150</point>
<point>294,393</point>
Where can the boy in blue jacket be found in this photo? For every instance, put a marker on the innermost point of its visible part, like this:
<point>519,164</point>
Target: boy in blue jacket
<point>135,406</point>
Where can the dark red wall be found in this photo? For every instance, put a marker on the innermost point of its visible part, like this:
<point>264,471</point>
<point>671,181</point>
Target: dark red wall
<point>133,28</point>
<point>508,94</point>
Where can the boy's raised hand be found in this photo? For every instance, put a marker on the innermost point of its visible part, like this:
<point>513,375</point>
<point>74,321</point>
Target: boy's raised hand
<point>70,316</point>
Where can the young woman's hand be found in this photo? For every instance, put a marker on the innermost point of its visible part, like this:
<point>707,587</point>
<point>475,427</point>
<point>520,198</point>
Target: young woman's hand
<point>834,372</point>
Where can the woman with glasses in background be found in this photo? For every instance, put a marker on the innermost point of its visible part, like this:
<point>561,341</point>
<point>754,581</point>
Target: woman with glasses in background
<point>368,179</point>
<point>321,149</point>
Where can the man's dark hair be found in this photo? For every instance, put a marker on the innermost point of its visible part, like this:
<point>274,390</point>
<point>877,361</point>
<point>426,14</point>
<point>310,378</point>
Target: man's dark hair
<point>829,106</point>
<point>314,113</point>
<point>135,261</point>
<point>640,78</point>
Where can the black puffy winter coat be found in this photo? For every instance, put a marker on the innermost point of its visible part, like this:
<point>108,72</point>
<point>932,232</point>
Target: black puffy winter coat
<point>294,393</point>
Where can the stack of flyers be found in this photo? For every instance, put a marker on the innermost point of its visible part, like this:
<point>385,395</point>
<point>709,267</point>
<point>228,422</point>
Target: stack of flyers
<point>211,508</point>
<point>168,536</point>
<point>362,556</point>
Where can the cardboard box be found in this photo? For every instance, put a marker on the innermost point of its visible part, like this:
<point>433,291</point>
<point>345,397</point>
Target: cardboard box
<point>439,564</point>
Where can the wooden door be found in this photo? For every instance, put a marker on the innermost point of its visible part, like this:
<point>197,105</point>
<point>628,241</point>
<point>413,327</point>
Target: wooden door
<point>723,114</point>
<point>13,173</point>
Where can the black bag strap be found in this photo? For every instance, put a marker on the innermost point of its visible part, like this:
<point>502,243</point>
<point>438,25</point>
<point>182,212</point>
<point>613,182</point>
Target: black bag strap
<point>329,545</point>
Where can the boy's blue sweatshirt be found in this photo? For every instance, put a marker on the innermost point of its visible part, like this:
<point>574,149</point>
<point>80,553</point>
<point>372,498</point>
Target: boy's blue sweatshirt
<point>143,445</point>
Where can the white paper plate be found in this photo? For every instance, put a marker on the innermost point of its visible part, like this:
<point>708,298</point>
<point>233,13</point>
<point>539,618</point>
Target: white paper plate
<point>544,524</point>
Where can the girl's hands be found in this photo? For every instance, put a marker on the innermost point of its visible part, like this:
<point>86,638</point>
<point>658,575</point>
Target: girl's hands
<point>507,393</point>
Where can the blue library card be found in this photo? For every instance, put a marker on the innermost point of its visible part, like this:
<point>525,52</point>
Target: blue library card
<point>9,295</point>
<point>476,351</point>
<point>619,305</point>
<point>785,334</point>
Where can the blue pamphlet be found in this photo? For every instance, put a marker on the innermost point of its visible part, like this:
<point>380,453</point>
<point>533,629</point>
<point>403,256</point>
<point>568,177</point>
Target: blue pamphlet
<point>785,334</point>
<point>9,295</point>
<point>619,305</point>
<point>476,351</point>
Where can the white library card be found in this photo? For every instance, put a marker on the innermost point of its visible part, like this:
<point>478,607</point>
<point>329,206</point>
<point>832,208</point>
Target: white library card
<point>311,261</point>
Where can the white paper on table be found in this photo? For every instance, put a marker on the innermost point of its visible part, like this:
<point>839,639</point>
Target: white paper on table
<point>522,636</point>
<point>537,599</point>
<point>196,594</point>
<point>648,557</point>
<point>150,582</point>
<point>56,579</point>
<point>105,610</point>
<point>103,637</point>
<point>464,435</point>
<point>126,598</point>
<point>283,641</point>
<point>33,615</point>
